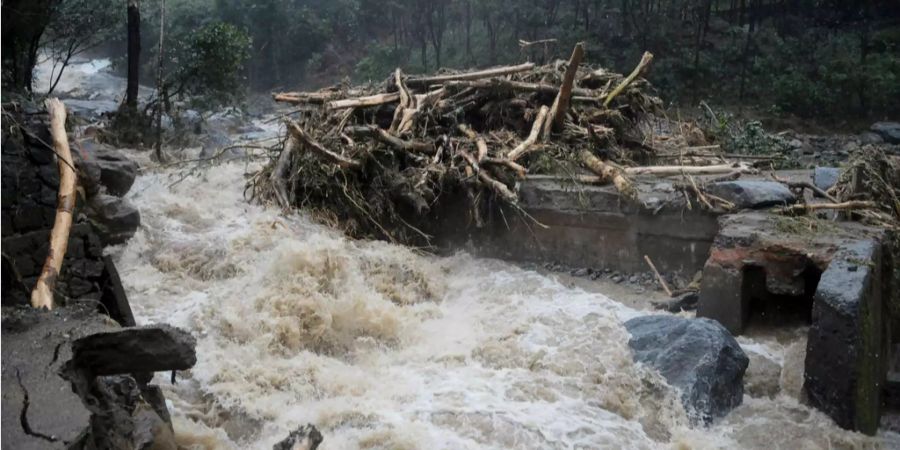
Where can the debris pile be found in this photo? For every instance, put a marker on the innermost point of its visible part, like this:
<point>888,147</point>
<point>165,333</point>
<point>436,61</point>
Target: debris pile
<point>361,156</point>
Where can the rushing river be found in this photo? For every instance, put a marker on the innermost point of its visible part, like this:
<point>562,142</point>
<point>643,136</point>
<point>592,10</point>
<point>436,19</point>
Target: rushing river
<point>380,346</point>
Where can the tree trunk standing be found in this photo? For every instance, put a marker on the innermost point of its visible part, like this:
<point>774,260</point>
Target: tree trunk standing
<point>134,54</point>
<point>159,82</point>
<point>23,23</point>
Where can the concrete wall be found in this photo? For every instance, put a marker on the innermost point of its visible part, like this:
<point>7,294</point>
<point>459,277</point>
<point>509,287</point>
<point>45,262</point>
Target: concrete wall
<point>584,226</point>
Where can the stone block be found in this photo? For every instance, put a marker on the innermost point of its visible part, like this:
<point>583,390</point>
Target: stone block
<point>847,348</point>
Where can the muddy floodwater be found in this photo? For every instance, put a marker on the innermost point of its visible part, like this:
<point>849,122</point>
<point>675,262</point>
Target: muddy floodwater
<point>381,346</point>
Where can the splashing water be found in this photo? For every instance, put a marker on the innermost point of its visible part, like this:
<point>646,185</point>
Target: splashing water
<point>382,347</point>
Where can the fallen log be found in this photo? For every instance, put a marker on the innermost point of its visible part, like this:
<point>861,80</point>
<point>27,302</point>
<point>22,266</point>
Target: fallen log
<point>488,73</point>
<point>42,295</point>
<point>610,174</point>
<point>525,44</point>
<point>528,144</point>
<point>480,144</point>
<point>844,206</point>
<point>304,140</point>
<point>561,103</point>
<point>370,100</point>
<point>500,84</point>
<point>519,169</point>
<point>410,146</point>
<point>690,170</point>
<point>641,67</point>
<point>297,98</point>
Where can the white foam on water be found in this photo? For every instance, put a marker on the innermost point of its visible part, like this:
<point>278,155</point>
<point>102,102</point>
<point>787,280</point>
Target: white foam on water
<point>383,347</point>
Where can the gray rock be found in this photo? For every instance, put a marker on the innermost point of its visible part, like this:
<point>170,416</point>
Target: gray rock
<point>753,194</point>
<point>214,143</point>
<point>106,166</point>
<point>698,356</point>
<point>889,131</point>
<point>115,218</point>
<point>869,137</point>
<point>135,350</point>
<point>306,437</point>
<point>826,177</point>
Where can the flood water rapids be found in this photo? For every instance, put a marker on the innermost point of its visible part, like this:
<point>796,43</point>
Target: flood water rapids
<point>384,347</point>
<point>381,346</point>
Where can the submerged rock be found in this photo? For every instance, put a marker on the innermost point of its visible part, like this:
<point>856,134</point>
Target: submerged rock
<point>746,194</point>
<point>307,437</point>
<point>698,356</point>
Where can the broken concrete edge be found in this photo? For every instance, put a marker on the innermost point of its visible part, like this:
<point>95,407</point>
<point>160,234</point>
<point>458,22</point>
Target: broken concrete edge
<point>848,344</point>
<point>760,257</point>
<point>51,402</point>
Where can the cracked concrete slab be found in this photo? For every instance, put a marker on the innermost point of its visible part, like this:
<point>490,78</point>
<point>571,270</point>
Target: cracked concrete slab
<point>48,414</point>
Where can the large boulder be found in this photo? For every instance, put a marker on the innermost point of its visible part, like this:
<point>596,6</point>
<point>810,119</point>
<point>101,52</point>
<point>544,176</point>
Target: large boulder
<point>698,356</point>
<point>102,165</point>
<point>115,218</point>
<point>749,194</point>
<point>889,131</point>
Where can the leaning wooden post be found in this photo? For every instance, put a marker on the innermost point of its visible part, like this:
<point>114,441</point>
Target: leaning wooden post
<point>42,295</point>
<point>641,67</point>
<point>561,103</point>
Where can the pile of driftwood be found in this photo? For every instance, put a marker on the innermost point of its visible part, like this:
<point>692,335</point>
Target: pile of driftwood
<point>364,157</point>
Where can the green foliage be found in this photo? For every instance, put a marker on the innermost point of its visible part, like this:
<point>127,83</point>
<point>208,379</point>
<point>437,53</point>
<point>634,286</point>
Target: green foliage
<point>753,139</point>
<point>378,63</point>
<point>210,64</point>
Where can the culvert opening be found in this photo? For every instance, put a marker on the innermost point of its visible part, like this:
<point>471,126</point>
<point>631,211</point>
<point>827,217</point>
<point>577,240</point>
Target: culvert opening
<point>769,310</point>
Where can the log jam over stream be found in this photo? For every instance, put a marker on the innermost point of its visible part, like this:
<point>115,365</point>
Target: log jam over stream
<point>381,346</point>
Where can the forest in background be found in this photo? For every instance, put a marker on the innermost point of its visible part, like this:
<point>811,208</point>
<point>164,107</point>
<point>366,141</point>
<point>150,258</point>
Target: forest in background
<point>827,60</point>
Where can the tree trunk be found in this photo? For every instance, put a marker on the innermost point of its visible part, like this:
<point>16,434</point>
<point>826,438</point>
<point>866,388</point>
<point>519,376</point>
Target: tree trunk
<point>160,92</point>
<point>42,295</point>
<point>23,23</point>
<point>134,54</point>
